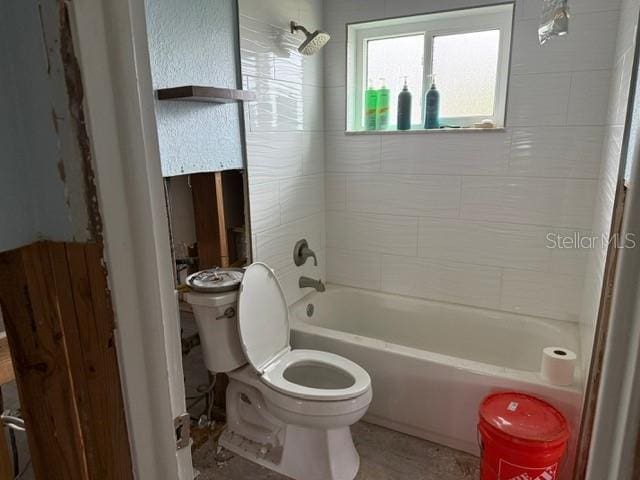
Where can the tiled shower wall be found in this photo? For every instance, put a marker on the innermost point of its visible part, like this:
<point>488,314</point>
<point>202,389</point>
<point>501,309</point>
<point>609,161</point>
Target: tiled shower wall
<point>285,146</point>
<point>609,170</point>
<point>461,216</point>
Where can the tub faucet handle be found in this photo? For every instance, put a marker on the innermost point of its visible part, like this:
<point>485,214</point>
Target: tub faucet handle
<point>301,252</point>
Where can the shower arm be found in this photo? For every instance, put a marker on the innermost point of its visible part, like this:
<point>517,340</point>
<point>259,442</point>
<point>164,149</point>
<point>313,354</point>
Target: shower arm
<point>295,27</point>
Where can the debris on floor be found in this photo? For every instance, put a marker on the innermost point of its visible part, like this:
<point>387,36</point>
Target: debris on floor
<point>384,455</point>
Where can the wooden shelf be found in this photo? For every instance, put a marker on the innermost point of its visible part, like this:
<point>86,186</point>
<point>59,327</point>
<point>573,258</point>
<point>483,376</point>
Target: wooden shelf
<point>194,93</point>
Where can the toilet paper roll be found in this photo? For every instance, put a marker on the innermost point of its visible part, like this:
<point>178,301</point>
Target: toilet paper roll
<point>558,365</point>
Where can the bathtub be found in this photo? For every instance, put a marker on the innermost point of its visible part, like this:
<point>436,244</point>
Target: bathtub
<point>431,363</point>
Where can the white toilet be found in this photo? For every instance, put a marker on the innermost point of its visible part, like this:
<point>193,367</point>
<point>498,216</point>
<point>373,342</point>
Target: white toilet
<point>288,410</point>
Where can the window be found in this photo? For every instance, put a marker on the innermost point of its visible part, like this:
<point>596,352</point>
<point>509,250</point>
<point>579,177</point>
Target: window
<point>465,51</point>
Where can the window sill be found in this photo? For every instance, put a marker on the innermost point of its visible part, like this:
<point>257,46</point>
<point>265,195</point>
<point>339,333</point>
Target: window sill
<point>425,131</point>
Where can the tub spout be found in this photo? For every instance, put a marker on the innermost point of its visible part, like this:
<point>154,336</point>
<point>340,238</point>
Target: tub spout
<point>306,282</point>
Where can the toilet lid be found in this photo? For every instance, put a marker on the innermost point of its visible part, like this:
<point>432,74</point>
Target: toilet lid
<point>263,317</point>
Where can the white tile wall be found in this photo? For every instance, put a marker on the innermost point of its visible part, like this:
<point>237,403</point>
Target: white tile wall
<point>587,104</point>
<point>285,142</point>
<point>301,197</point>
<point>396,8</point>
<point>265,206</point>
<point>542,294</point>
<point>335,110</point>
<point>312,153</point>
<point>608,178</point>
<point>480,153</point>
<point>463,217</point>
<point>532,9</point>
<point>589,46</point>
<point>538,99</point>
<point>271,12</point>
<point>358,153</point>
<point>493,244</point>
<point>537,201</point>
<point>274,155</point>
<point>571,152</point>
<point>445,281</point>
<point>456,217</point>
<point>334,66</point>
<point>372,233</point>
<point>279,106</point>
<point>437,196</point>
<point>256,50</point>
<point>354,268</point>
<point>335,191</point>
<point>339,12</point>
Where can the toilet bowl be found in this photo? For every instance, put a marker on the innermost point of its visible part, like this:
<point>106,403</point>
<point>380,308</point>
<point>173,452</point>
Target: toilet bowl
<point>287,410</point>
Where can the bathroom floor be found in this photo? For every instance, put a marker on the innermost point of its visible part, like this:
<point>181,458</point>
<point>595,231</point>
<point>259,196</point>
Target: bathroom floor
<point>384,455</point>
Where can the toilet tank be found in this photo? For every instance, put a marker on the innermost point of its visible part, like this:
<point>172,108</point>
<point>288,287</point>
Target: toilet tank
<point>216,315</point>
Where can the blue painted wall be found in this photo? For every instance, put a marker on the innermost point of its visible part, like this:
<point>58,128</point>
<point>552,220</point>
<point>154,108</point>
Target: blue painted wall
<point>193,43</point>
<point>36,200</point>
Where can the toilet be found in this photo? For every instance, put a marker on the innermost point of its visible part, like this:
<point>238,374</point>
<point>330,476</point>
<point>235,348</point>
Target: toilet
<point>287,410</point>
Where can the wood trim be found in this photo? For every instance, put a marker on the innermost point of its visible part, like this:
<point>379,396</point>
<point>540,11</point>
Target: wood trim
<point>57,311</point>
<point>599,346</point>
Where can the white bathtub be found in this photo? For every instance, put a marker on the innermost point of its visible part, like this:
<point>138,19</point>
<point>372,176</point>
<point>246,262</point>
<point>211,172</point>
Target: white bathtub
<point>431,363</point>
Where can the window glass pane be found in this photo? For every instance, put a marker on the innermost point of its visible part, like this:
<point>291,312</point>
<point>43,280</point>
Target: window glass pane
<point>466,67</point>
<point>392,59</point>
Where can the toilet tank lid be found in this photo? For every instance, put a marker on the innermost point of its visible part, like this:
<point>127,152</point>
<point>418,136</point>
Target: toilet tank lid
<point>263,316</point>
<point>215,280</point>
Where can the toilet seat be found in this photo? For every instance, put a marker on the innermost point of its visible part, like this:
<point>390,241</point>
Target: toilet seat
<point>263,324</point>
<point>275,376</point>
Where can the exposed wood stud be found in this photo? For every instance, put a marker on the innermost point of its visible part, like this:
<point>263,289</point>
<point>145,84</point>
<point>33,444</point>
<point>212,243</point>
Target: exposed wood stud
<point>59,322</point>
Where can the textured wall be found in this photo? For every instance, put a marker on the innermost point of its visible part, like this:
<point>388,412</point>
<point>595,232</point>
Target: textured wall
<point>14,182</point>
<point>609,169</point>
<point>193,43</point>
<point>284,139</point>
<point>42,184</point>
<point>463,217</point>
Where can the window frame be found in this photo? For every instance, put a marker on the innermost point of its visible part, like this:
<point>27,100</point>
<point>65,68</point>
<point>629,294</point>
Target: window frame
<point>469,20</point>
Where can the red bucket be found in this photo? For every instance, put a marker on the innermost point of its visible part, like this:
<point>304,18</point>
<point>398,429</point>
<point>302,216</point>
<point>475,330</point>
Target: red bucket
<point>522,438</point>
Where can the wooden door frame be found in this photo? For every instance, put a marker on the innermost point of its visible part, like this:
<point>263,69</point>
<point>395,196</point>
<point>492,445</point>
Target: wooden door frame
<point>111,43</point>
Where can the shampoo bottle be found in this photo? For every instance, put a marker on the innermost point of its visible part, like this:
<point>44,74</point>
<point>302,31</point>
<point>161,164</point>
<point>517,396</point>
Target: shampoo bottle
<point>382,117</point>
<point>432,107</point>
<point>404,107</point>
<point>371,107</point>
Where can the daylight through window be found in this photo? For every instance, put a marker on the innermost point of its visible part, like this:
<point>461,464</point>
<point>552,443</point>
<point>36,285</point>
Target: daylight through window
<point>466,53</point>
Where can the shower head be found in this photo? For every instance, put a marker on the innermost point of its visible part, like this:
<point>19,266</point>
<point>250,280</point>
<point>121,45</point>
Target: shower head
<point>314,41</point>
